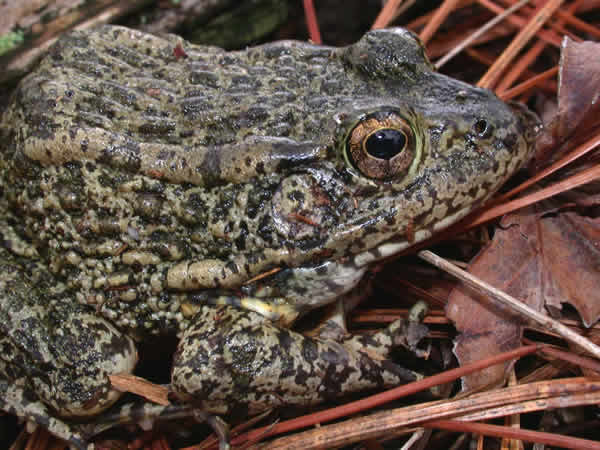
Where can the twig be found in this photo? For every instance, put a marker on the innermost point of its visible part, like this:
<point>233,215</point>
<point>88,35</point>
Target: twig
<point>530,56</point>
<point>526,85</point>
<point>126,382</point>
<point>311,22</point>
<point>581,178</point>
<point>421,21</point>
<point>519,42</point>
<point>578,23</point>
<point>24,59</point>
<point>445,43</point>
<point>480,32</point>
<point>518,22</point>
<point>438,17</point>
<point>531,397</point>
<point>568,356</point>
<point>520,66</point>
<point>386,14</point>
<point>509,432</point>
<point>516,305</point>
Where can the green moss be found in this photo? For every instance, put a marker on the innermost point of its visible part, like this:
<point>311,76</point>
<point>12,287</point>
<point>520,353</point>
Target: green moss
<point>240,26</point>
<point>9,41</point>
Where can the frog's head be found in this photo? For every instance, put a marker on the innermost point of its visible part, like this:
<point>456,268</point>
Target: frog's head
<point>414,152</point>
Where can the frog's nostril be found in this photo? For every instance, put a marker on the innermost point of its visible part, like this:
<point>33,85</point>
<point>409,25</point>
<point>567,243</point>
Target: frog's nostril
<point>483,128</point>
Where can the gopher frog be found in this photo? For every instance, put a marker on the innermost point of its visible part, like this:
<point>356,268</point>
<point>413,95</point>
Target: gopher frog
<point>150,186</point>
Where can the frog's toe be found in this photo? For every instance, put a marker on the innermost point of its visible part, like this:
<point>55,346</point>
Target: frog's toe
<point>406,333</point>
<point>219,426</point>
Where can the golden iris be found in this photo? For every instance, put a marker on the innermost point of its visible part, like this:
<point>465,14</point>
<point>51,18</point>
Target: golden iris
<point>381,146</point>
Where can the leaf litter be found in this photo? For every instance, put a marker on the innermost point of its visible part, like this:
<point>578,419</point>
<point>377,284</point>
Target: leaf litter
<point>545,254</point>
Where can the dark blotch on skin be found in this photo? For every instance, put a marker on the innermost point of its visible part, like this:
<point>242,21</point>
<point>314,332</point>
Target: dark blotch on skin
<point>302,376</point>
<point>321,270</point>
<point>401,372</point>
<point>157,128</point>
<point>126,156</point>
<point>296,196</point>
<point>370,370</point>
<point>310,243</point>
<point>232,267</point>
<point>285,340</point>
<point>240,241</point>
<point>43,126</point>
<point>510,140</point>
<point>211,167</point>
<point>333,380</point>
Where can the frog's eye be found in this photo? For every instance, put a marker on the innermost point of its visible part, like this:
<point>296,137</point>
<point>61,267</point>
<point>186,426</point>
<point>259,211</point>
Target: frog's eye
<point>381,146</point>
<point>483,128</point>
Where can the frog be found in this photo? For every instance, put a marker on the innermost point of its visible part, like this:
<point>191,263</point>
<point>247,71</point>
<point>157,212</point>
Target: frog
<point>153,187</point>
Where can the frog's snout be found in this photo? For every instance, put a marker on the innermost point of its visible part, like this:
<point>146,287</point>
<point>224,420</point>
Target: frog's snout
<point>530,125</point>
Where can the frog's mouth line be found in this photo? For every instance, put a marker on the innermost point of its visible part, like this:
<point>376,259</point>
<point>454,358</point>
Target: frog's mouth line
<point>392,247</point>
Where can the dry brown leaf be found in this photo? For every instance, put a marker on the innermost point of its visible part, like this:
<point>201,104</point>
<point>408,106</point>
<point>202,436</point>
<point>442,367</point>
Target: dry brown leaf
<point>571,258</point>
<point>578,110</point>
<point>488,328</point>
<point>543,260</point>
<point>579,87</point>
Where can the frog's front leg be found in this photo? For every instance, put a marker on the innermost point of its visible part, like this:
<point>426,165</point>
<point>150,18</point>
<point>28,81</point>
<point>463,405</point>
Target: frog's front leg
<point>233,360</point>
<point>289,293</point>
<point>339,286</point>
<point>56,354</point>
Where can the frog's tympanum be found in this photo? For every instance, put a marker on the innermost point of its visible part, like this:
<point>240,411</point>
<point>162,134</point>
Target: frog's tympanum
<point>151,187</point>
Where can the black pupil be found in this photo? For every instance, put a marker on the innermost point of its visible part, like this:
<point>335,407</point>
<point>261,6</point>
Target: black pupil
<point>481,127</point>
<point>385,143</point>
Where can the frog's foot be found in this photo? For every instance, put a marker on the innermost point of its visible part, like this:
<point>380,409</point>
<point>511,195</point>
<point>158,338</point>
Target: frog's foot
<point>400,333</point>
<point>59,351</point>
<point>140,412</point>
<point>16,399</point>
<point>218,425</point>
<point>233,360</point>
<point>333,325</point>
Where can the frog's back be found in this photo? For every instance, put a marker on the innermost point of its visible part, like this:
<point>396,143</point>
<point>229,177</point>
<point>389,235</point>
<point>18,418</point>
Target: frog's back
<point>166,90</point>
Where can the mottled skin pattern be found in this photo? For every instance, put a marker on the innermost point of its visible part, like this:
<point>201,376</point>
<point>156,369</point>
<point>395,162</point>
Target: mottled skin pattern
<point>54,346</point>
<point>146,178</point>
<point>271,366</point>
